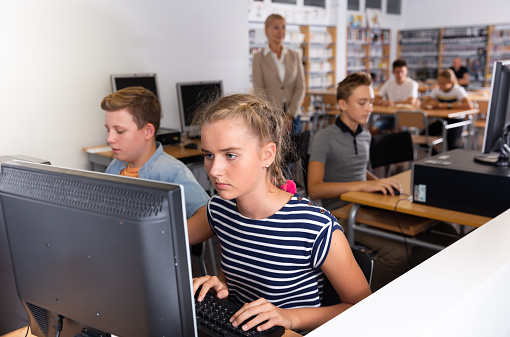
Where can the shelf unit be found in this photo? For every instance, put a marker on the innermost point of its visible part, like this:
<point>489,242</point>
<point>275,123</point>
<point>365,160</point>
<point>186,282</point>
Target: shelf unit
<point>369,50</point>
<point>468,43</point>
<point>315,44</point>
<point>420,50</point>
<point>498,47</point>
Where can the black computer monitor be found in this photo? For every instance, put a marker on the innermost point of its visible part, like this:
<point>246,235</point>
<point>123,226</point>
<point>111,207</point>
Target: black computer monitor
<point>105,254</point>
<point>191,96</point>
<point>121,81</point>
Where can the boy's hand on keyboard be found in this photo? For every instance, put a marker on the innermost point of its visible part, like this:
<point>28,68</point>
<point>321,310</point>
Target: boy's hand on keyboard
<point>209,282</point>
<point>263,312</point>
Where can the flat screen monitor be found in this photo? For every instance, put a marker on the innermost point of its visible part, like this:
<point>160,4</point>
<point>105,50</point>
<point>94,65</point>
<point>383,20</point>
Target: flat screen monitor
<point>98,254</point>
<point>498,113</point>
<point>121,81</point>
<point>191,96</point>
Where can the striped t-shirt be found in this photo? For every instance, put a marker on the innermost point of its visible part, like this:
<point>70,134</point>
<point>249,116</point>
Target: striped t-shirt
<point>277,258</point>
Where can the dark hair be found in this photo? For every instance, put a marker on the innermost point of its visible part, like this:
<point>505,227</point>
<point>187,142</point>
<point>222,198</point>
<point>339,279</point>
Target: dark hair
<point>141,103</point>
<point>351,82</point>
<point>264,120</point>
<point>399,63</point>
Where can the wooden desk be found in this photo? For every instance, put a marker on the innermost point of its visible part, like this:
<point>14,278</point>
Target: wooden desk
<point>401,204</point>
<point>441,114</point>
<point>100,156</point>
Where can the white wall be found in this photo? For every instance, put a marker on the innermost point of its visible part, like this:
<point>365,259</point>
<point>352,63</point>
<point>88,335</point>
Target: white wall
<point>56,58</point>
<point>447,13</point>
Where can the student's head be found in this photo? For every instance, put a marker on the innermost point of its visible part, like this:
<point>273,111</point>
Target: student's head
<point>132,120</point>
<point>400,71</point>
<point>457,63</point>
<point>446,79</point>
<point>244,142</point>
<point>275,29</point>
<point>355,97</point>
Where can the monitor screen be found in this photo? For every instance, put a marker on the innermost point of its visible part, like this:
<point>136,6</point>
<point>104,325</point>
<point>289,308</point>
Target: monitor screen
<point>99,253</point>
<point>191,96</point>
<point>121,81</point>
<point>498,113</point>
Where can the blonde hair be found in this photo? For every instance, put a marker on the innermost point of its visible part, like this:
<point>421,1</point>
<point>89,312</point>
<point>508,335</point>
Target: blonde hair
<point>263,120</point>
<point>271,18</point>
<point>448,75</point>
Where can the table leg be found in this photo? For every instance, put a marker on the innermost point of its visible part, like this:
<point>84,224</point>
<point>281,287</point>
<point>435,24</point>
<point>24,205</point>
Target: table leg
<point>351,223</point>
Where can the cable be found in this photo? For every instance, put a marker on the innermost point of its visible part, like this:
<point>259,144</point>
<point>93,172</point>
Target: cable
<point>28,329</point>
<point>395,213</point>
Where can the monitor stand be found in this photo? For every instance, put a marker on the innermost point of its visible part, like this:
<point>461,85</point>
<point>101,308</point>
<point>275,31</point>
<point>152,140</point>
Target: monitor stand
<point>494,159</point>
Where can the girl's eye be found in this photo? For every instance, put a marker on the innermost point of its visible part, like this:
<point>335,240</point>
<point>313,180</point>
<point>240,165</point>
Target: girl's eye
<point>208,156</point>
<point>231,156</point>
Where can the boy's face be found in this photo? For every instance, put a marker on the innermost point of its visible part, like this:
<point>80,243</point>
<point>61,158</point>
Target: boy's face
<point>358,107</point>
<point>400,74</point>
<point>128,143</point>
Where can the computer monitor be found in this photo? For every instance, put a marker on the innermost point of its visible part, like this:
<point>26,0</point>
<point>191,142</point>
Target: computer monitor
<point>191,96</point>
<point>103,254</point>
<point>498,113</point>
<point>121,81</point>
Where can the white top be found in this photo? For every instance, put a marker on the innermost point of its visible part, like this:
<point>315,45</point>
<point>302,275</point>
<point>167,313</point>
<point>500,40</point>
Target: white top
<point>395,92</point>
<point>461,291</point>
<point>455,94</point>
<point>280,63</point>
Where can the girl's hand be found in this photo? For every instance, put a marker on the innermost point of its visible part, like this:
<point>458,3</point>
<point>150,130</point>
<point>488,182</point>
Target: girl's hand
<point>385,186</point>
<point>209,282</point>
<point>263,311</point>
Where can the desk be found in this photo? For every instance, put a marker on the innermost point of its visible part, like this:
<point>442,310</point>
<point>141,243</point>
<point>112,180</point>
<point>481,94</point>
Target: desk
<point>460,291</point>
<point>405,206</point>
<point>440,114</point>
<point>100,156</point>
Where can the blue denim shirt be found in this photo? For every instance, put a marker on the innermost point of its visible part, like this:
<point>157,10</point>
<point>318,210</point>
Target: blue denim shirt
<point>163,167</point>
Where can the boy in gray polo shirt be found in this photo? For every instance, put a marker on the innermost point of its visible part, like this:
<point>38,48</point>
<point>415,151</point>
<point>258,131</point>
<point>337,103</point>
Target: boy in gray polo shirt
<point>339,156</point>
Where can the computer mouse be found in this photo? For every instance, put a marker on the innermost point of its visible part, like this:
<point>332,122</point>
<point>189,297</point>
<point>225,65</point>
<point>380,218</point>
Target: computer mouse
<point>191,146</point>
<point>395,191</point>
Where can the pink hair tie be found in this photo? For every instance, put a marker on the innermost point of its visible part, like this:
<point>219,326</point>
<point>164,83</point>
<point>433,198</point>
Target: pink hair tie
<point>289,186</point>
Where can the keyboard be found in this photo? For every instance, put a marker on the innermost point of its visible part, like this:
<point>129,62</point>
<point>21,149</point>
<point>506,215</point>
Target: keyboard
<point>213,315</point>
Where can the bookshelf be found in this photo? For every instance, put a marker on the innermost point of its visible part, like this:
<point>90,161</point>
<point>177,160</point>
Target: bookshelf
<point>315,44</point>
<point>420,50</point>
<point>369,50</point>
<point>498,47</point>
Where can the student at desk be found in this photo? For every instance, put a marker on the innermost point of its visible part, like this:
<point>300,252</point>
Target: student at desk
<point>447,95</point>
<point>276,246</point>
<point>132,120</point>
<point>339,156</point>
<point>398,90</point>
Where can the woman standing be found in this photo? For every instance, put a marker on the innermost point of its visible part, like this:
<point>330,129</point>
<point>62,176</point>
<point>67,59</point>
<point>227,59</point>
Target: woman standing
<point>279,72</point>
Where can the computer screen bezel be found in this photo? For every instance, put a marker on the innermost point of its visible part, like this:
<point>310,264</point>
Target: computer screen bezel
<point>21,241</point>
<point>188,128</point>
<point>137,80</point>
<point>498,111</point>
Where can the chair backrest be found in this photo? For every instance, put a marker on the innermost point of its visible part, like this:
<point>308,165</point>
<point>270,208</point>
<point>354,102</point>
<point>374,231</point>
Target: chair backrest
<point>416,119</point>
<point>391,148</point>
<point>366,264</point>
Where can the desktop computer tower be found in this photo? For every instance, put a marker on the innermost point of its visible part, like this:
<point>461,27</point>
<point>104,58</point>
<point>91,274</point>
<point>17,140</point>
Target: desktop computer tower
<point>454,181</point>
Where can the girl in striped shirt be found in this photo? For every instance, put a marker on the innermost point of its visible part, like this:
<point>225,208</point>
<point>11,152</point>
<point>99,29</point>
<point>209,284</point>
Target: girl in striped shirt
<point>276,246</point>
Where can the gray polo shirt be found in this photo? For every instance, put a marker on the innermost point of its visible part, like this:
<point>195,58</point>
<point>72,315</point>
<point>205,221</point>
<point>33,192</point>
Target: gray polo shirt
<point>345,155</point>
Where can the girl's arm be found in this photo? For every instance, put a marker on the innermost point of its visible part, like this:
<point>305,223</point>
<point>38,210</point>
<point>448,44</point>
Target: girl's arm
<point>345,275</point>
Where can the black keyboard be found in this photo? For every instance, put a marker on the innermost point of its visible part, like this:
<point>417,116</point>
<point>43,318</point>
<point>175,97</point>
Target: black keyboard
<point>213,315</point>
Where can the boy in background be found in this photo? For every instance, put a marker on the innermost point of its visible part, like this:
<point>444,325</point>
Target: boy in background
<point>132,121</point>
<point>339,155</point>
<point>398,90</point>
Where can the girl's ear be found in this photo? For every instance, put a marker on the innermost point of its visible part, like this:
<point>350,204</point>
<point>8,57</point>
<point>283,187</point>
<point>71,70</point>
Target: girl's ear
<point>150,131</point>
<point>269,153</point>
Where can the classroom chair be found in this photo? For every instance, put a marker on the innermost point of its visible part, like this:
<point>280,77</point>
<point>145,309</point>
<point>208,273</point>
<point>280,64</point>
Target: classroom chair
<point>365,262</point>
<point>389,149</point>
<point>416,122</point>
